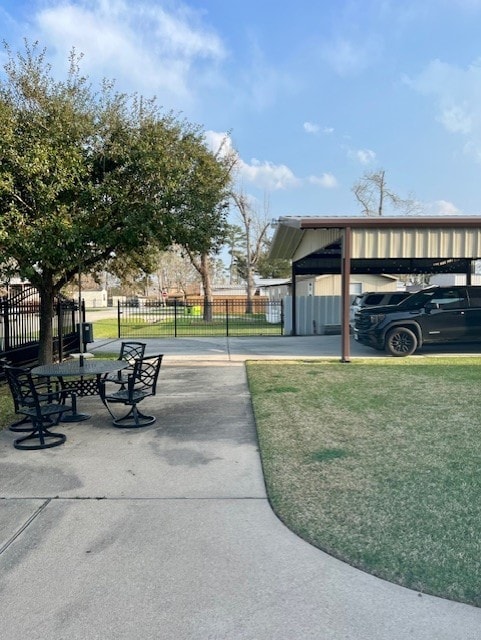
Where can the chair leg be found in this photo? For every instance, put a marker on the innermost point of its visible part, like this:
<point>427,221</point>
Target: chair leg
<point>42,437</point>
<point>17,427</point>
<point>134,419</point>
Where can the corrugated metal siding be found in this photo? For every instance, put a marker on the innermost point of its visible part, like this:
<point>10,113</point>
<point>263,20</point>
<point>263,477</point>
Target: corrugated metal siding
<point>285,241</point>
<point>382,242</point>
<point>314,314</point>
<point>416,243</point>
<point>314,239</point>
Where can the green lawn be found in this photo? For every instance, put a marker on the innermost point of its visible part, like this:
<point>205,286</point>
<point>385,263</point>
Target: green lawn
<point>379,463</point>
<point>7,414</point>
<point>137,327</point>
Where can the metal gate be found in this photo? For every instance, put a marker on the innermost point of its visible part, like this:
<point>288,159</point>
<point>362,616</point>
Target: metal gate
<point>20,327</point>
<point>219,318</point>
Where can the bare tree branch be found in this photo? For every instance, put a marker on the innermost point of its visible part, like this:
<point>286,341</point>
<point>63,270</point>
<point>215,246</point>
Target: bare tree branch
<point>373,195</point>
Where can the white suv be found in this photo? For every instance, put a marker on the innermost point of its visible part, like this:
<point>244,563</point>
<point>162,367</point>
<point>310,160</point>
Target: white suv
<point>375,299</point>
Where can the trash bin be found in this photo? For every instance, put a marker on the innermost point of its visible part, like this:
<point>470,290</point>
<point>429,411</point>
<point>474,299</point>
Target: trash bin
<point>87,332</point>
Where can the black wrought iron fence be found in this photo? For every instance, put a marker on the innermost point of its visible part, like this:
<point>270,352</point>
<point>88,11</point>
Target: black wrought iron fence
<point>219,318</point>
<point>20,327</point>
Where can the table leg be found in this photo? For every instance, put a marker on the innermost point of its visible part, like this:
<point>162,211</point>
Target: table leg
<point>75,416</point>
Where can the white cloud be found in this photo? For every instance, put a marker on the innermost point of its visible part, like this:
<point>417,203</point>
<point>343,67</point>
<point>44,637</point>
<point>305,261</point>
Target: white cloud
<point>310,127</point>
<point>346,57</point>
<point>220,142</point>
<point>363,156</point>
<point>326,180</point>
<point>264,175</point>
<point>267,175</point>
<point>456,119</point>
<point>343,57</point>
<point>141,45</point>
<point>314,128</point>
<point>456,93</point>
<point>443,208</point>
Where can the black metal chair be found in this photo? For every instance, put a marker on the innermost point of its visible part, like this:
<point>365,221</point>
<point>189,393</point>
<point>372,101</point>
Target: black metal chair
<point>19,426</point>
<point>140,384</point>
<point>38,403</point>
<point>129,352</point>
<point>46,392</point>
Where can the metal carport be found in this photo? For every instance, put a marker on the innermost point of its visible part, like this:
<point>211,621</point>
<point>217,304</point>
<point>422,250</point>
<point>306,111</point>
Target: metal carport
<point>391,245</point>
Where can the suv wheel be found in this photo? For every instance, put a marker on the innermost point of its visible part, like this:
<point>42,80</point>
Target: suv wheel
<point>401,342</point>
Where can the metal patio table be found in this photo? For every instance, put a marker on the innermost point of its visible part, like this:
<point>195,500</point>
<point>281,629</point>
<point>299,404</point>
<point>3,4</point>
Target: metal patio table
<point>88,373</point>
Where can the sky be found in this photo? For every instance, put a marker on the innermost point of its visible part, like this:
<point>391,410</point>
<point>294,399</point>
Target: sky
<point>310,94</point>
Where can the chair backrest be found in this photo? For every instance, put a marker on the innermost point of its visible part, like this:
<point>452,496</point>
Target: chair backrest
<point>131,351</point>
<point>22,387</point>
<point>146,373</point>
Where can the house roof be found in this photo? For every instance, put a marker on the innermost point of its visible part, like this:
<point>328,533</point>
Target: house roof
<point>271,282</point>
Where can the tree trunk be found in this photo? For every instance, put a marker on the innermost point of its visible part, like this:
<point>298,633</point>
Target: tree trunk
<point>207,286</point>
<point>45,347</point>
<point>250,269</point>
<point>250,290</point>
<point>381,192</point>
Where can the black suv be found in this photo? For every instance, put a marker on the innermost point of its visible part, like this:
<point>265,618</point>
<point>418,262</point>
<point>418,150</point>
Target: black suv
<point>433,315</point>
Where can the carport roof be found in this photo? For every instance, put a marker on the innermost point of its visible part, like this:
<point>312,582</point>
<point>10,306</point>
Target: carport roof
<point>404,244</point>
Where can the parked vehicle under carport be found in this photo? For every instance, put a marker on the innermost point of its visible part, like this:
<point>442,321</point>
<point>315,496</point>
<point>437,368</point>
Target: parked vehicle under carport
<point>434,315</point>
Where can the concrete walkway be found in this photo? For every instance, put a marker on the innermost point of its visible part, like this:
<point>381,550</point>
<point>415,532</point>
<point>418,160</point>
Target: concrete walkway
<point>166,534</point>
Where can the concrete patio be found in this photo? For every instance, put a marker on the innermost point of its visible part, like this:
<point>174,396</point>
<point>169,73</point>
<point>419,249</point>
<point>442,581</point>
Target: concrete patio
<point>166,533</point>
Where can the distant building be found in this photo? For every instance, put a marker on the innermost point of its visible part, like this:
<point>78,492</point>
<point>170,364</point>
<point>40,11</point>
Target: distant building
<point>95,299</point>
<point>274,288</point>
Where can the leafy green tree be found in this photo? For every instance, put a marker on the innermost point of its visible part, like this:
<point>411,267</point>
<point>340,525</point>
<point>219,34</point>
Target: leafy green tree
<point>268,268</point>
<point>202,235</point>
<point>85,174</point>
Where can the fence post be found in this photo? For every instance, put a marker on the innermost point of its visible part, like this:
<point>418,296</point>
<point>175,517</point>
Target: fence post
<point>60,329</point>
<point>73,319</point>
<point>118,319</point>
<point>227,318</point>
<point>175,317</point>
<point>6,326</point>
<point>82,316</point>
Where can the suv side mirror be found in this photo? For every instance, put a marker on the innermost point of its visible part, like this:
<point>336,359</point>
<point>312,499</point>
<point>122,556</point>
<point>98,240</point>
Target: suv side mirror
<point>429,306</point>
